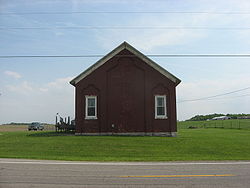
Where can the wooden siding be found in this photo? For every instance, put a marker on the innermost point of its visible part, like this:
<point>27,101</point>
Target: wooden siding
<point>125,88</point>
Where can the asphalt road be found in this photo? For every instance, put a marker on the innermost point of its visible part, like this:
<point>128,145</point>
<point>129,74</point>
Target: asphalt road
<point>34,173</point>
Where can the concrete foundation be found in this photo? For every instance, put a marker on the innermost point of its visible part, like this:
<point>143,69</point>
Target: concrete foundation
<point>163,134</point>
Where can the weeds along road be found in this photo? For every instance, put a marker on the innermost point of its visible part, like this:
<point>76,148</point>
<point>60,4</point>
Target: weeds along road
<point>35,173</point>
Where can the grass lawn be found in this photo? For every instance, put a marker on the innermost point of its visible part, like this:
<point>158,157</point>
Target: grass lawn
<point>226,124</point>
<point>191,144</point>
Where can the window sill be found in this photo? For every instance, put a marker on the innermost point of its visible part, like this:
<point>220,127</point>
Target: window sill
<point>161,117</point>
<point>90,118</point>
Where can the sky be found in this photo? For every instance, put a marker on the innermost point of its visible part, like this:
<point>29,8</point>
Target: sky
<point>35,89</point>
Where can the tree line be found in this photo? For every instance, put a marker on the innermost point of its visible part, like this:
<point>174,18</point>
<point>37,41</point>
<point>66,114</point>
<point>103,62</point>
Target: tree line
<point>210,116</point>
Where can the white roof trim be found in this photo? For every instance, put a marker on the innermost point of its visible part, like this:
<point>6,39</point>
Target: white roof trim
<point>114,52</point>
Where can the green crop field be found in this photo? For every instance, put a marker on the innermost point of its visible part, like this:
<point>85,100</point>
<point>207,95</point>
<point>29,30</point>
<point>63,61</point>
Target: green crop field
<point>191,144</point>
<point>226,124</point>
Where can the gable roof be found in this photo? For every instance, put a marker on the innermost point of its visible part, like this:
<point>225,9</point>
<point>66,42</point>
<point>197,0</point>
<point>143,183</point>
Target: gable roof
<point>134,51</point>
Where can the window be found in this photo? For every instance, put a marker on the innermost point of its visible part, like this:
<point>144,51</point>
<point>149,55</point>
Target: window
<point>160,107</point>
<point>90,110</point>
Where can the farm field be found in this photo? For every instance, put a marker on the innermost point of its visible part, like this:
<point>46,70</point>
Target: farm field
<point>226,124</point>
<point>191,144</point>
<point>14,128</point>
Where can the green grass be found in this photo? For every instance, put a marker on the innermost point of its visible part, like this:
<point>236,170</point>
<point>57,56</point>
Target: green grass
<point>194,144</point>
<point>226,124</point>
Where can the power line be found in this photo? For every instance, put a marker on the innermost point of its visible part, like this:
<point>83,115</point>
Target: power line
<point>246,95</point>
<point>128,12</point>
<point>149,55</point>
<point>213,96</point>
<point>49,56</point>
<point>126,28</point>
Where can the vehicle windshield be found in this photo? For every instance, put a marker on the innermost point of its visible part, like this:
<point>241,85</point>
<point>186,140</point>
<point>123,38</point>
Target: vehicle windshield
<point>35,123</point>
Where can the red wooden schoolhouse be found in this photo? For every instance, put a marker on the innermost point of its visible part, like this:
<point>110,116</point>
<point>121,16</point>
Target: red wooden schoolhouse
<point>125,93</point>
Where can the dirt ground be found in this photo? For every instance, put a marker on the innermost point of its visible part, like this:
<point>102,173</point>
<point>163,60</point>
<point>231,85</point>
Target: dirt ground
<point>13,128</point>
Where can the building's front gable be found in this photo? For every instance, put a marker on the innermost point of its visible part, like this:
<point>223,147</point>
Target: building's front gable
<point>116,52</point>
<point>123,94</point>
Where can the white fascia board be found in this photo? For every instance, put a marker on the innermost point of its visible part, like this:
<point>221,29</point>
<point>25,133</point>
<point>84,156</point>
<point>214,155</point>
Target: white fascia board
<point>97,64</point>
<point>137,53</point>
<point>153,64</point>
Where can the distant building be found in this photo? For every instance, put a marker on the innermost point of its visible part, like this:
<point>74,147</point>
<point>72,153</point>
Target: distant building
<point>243,117</point>
<point>125,93</point>
<point>221,118</point>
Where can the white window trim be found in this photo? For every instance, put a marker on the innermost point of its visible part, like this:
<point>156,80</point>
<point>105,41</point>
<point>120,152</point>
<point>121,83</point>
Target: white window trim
<point>86,106</point>
<point>165,107</point>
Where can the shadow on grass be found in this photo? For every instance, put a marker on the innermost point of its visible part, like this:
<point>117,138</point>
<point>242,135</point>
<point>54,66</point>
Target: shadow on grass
<point>50,134</point>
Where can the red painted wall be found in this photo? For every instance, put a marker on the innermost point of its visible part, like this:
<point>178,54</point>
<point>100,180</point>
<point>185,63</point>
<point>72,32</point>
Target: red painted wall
<point>125,89</point>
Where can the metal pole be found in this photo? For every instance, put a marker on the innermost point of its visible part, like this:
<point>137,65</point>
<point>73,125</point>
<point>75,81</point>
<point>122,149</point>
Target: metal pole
<point>56,122</point>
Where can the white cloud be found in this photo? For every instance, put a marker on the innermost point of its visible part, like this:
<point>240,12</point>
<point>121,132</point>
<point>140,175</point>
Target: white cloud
<point>27,102</point>
<point>43,89</point>
<point>23,88</point>
<point>150,39</point>
<point>59,83</point>
<point>29,88</point>
<point>168,38</point>
<point>205,88</point>
<point>58,34</point>
<point>13,74</point>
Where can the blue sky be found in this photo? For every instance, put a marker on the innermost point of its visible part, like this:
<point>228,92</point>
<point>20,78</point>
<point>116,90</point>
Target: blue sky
<point>35,89</point>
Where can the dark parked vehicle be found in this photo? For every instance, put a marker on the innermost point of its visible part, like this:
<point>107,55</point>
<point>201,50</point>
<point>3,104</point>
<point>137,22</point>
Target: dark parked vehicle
<point>35,126</point>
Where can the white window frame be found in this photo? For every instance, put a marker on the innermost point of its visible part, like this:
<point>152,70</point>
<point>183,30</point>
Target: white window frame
<point>165,107</point>
<point>86,106</point>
